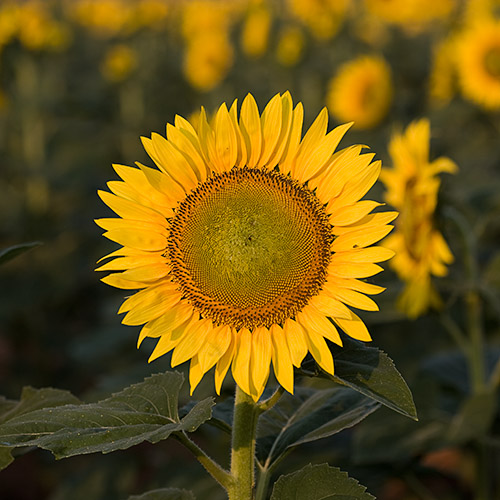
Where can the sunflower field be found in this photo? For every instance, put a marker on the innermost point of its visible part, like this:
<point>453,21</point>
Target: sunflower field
<point>297,296</point>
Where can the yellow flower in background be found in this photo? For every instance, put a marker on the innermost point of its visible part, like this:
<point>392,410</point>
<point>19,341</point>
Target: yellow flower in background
<point>255,30</point>
<point>38,30</point>
<point>151,13</point>
<point>412,15</point>
<point>291,41</point>
<point>9,21</point>
<point>442,80</point>
<point>361,91</point>
<point>119,62</point>
<point>103,17</point>
<point>412,188</point>
<point>207,60</point>
<point>478,64</point>
<point>323,17</point>
<point>208,53</point>
<point>245,240</point>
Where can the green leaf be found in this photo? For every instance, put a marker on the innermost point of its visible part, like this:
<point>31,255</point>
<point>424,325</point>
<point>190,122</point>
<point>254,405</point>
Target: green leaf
<point>475,417</point>
<point>165,494</point>
<point>9,253</point>
<point>142,412</point>
<point>319,482</point>
<point>309,415</point>
<point>31,399</point>
<point>369,371</point>
<point>6,457</point>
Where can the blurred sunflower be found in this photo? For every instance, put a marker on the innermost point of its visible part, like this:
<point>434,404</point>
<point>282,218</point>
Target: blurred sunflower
<point>323,17</point>
<point>361,91</point>
<point>412,188</point>
<point>245,241</point>
<point>411,15</point>
<point>478,64</point>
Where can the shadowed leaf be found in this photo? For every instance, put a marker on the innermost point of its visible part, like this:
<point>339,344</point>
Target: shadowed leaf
<point>369,371</point>
<point>319,482</point>
<point>309,415</point>
<point>164,494</point>
<point>142,412</point>
<point>9,253</point>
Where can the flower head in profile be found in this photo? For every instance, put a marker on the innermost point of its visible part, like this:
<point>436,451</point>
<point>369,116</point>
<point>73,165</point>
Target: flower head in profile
<point>478,63</point>
<point>248,243</point>
<point>412,188</point>
<point>361,91</point>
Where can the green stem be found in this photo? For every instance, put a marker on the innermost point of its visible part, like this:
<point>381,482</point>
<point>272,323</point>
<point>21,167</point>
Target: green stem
<point>243,447</point>
<point>213,468</point>
<point>263,484</point>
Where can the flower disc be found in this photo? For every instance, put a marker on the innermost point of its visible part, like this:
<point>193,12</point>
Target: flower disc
<point>249,247</point>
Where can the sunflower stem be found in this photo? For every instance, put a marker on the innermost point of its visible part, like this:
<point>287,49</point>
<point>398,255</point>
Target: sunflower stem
<point>213,468</point>
<point>243,447</point>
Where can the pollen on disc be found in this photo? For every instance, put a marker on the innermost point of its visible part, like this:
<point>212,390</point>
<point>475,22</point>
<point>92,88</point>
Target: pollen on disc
<point>249,247</point>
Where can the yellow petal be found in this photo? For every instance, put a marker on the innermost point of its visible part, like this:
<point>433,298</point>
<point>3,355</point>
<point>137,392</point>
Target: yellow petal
<point>132,262</point>
<point>350,214</point>
<point>187,144</point>
<point>195,374</point>
<point>207,142</point>
<point>139,235</point>
<point>282,362</point>
<point>285,126</point>
<point>192,341</point>
<point>354,327</point>
<point>314,321</point>
<point>353,299</point>
<point>173,318</point>
<point>329,305</point>
<point>319,350</point>
<point>147,273</point>
<point>118,282</point>
<point>226,145</point>
<point>216,344</point>
<point>224,363</point>
<point>355,270</point>
<point>251,130</point>
<point>296,341</point>
<point>260,360</point>
<point>313,162</point>
<point>271,128</point>
<point>354,191</point>
<point>173,163</point>
<point>371,254</point>
<point>293,142</point>
<point>354,284</point>
<point>153,303</point>
<point>171,338</point>
<point>360,238</point>
<point>241,361</point>
<point>164,184</point>
<point>241,160</point>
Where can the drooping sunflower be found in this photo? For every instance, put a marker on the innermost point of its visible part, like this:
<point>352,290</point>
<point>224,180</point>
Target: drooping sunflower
<point>361,91</point>
<point>245,240</point>
<point>478,63</point>
<point>412,188</point>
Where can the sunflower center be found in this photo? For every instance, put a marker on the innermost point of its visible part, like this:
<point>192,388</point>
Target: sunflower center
<point>492,62</point>
<point>249,247</point>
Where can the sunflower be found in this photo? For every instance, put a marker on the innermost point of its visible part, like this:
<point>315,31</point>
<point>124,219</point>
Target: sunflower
<point>361,91</point>
<point>412,188</point>
<point>245,240</point>
<point>478,64</point>
<point>411,15</point>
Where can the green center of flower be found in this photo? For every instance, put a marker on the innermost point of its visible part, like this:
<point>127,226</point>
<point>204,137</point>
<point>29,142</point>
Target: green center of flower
<point>492,62</point>
<point>249,247</point>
